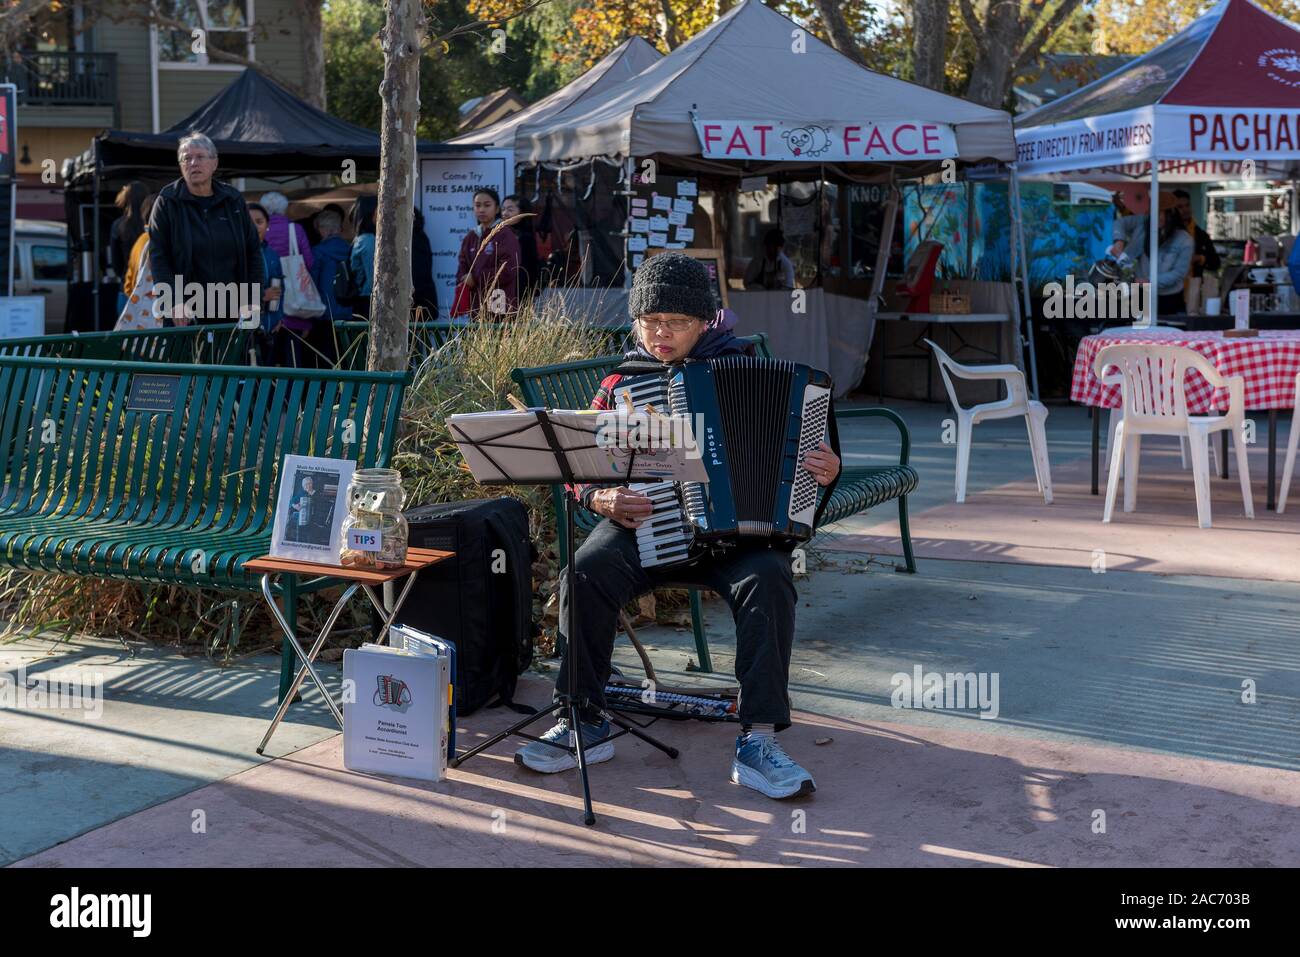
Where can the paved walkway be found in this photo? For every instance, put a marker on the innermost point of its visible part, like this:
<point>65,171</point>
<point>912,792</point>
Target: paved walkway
<point>1119,693</point>
<point>890,794</point>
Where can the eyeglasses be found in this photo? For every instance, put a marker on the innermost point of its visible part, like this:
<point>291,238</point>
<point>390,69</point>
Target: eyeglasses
<point>672,325</point>
<point>190,158</point>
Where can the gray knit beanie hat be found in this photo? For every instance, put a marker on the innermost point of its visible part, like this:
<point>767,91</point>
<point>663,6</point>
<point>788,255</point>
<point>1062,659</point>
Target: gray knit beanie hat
<point>672,282</point>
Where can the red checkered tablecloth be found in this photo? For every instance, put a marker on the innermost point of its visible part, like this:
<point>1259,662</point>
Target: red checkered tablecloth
<point>1269,363</point>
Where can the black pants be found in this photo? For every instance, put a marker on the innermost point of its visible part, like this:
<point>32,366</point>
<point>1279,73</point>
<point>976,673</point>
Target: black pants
<point>291,350</point>
<point>758,584</point>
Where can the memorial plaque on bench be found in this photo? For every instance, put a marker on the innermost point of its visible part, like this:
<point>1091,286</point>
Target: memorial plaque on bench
<point>153,393</point>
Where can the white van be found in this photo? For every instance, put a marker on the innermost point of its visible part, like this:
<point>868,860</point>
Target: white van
<point>41,267</point>
<point>1081,194</point>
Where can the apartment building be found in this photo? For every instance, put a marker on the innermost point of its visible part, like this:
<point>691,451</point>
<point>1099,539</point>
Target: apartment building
<point>110,64</point>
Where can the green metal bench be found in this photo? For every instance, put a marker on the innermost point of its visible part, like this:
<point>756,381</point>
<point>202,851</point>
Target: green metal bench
<point>571,385</point>
<point>181,494</point>
<point>224,344</point>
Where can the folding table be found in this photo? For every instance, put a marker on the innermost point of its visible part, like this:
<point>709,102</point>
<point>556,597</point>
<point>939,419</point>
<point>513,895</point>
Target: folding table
<point>365,579</point>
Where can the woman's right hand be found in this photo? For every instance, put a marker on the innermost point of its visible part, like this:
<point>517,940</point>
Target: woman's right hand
<point>622,505</point>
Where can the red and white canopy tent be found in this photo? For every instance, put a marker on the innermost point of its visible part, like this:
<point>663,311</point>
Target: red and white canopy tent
<point>1223,91</point>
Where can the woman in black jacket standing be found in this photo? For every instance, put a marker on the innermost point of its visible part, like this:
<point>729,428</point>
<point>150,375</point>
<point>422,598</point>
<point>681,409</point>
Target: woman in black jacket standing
<point>200,232</point>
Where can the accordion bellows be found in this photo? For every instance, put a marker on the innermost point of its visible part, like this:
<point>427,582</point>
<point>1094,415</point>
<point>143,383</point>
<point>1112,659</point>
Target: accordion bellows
<point>755,420</point>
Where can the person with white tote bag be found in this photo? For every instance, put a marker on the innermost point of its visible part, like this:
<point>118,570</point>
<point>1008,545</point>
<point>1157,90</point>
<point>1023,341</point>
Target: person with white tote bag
<point>301,302</point>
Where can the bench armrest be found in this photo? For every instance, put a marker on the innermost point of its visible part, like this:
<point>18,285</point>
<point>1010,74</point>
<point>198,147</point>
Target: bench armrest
<point>880,412</point>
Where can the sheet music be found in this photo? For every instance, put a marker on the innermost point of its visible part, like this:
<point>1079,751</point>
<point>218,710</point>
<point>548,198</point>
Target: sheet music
<point>512,447</point>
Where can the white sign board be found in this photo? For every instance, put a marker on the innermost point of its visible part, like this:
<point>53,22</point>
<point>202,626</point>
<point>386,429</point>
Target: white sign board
<point>22,316</point>
<point>396,720</point>
<point>824,142</point>
<point>447,185</point>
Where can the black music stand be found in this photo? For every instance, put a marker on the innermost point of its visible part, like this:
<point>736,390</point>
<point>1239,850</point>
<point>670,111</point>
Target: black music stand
<point>546,452</point>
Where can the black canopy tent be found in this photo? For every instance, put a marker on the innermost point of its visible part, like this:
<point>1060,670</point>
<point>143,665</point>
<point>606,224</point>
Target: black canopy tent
<point>260,130</point>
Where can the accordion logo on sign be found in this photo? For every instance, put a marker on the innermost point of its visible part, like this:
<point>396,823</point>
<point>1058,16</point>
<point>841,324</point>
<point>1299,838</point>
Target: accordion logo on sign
<point>392,693</point>
<point>1281,60</point>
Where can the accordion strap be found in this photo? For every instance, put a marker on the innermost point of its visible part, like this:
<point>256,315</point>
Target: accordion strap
<point>833,427</point>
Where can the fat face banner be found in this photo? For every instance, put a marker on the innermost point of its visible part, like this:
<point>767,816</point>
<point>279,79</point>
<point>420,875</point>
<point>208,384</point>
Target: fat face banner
<point>778,141</point>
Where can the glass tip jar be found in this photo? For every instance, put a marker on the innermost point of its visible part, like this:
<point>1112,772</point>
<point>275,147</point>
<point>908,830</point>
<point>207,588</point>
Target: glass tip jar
<point>375,531</point>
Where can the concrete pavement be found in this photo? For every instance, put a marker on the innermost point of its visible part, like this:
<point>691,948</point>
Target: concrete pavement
<point>1170,703</point>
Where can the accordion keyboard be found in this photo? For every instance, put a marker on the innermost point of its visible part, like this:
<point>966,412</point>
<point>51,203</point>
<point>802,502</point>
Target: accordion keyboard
<point>665,537</point>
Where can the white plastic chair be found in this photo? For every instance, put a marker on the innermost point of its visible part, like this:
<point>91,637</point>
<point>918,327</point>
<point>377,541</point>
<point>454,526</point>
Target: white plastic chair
<point>1154,396</point>
<point>1117,416</point>
<point>1016,403</point>
<point>1291,445</point>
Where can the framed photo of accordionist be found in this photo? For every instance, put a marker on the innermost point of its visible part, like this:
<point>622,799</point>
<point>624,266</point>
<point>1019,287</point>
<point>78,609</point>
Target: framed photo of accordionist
<point>309,509</point>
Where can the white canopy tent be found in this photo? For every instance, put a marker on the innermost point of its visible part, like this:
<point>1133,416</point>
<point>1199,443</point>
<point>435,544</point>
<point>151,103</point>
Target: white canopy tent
<point>625,61</point>
<point>755,94</point>
<point>755,65</point>
<point>1223,92</point>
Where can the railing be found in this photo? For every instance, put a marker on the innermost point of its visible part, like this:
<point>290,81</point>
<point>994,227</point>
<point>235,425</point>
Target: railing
<point>1241,225</point>
<point>63,78</point>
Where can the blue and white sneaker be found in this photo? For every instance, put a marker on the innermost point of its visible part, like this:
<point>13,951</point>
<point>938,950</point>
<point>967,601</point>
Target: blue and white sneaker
<point>762,764</point>
<point>549,759</point>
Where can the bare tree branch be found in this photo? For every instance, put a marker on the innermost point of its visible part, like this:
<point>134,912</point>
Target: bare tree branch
<point>477,25</point>
<point>1034,45</point>
<point>974,26</point>
<point>837,28</point>
<point>16,19</point>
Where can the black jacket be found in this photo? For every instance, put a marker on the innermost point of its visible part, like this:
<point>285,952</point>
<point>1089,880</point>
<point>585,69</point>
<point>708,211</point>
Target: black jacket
<point>425,291</point>
<point>1205,247</point>
<point>178,216</point>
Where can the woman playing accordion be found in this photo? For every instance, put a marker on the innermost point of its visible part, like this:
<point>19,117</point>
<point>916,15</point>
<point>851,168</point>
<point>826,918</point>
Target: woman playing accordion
<point>674,311</point>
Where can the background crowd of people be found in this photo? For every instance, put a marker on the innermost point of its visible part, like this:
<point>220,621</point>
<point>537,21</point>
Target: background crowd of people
<point>198,229</point>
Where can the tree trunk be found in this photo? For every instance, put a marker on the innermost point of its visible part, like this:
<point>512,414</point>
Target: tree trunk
<point>390,300</point>
<point>1004,32</point>
<point>837,29</point>
<point>929,42</point>
<point>313,52</point>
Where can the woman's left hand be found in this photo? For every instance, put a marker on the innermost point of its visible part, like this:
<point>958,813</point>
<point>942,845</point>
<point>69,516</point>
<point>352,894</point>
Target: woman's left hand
<point>823,464</point>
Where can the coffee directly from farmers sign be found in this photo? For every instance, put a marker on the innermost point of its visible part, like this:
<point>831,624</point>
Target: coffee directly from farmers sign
<point>1169,132</point>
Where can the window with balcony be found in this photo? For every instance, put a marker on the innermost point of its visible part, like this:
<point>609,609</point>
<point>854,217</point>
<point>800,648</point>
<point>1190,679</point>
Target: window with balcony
<point>53,65</point>
<point>227,27</point>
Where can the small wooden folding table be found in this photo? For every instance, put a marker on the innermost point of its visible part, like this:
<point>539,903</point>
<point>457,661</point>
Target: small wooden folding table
<point>364,578</point>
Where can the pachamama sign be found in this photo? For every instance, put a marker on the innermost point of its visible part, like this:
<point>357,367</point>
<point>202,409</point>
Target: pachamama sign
<point>776,141</point>
<point>1167,132</point>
